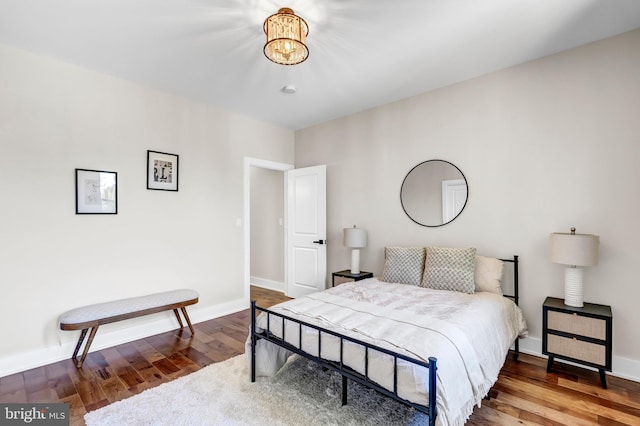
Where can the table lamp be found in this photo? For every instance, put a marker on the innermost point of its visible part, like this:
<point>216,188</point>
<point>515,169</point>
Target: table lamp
<point>575,251</point>
<point>355,238</point>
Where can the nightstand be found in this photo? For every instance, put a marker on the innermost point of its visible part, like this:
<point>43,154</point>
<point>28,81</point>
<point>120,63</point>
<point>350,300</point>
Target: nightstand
<point>347,274</point>
<point>581,335</point>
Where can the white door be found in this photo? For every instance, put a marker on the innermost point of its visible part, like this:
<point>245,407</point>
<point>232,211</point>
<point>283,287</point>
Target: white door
<point>454,197</point>
<point>306,231</point>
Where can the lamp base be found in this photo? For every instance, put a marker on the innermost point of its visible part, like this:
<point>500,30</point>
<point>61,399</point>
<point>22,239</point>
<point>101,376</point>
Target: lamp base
<point>573,294</point>
<point>355,261</point>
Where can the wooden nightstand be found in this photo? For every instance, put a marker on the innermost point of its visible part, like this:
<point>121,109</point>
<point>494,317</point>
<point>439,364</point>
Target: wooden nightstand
<point>581,335</point>
<point>347,274</point>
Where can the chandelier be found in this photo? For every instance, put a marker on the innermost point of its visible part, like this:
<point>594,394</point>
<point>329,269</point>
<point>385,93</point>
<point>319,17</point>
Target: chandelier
<point>286,33</point>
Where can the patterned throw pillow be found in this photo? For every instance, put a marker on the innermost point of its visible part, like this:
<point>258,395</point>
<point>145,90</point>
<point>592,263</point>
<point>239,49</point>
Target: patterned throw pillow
<point>450,269</point>
<point>403,265</point>
<point>488,275</point>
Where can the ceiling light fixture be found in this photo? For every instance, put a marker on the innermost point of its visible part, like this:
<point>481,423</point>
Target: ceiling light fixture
<point>286,33</point>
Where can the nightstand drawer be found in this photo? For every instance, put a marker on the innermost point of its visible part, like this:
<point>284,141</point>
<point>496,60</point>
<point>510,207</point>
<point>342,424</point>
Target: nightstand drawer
<point>577,349</point>
<point>577,324</point>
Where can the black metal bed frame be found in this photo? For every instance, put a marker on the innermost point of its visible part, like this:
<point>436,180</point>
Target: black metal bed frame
<point>349,373</point>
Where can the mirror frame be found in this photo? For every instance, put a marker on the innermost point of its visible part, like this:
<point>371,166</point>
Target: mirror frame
<point>420,164</point>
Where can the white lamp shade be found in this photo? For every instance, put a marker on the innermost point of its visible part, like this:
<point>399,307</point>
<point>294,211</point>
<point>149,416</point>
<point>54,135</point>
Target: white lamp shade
<point>574,249</point>
<point>354,237</point>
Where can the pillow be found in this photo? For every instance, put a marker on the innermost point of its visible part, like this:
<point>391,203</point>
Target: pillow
<point>403,265</point>
<point>450,269</point>
<point>488,275</point>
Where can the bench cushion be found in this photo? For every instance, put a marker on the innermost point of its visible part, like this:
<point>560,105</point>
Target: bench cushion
<point>118,308</point>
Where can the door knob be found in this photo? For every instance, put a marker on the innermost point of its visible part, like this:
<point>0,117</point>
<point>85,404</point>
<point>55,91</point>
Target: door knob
<point>320,242</point>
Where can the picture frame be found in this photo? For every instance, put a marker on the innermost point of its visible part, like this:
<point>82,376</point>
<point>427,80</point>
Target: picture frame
<point>96,192</point>
<point>162,171</point>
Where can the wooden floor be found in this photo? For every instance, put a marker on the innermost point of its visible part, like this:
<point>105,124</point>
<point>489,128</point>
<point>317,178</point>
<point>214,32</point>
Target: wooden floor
<point>524,394</point>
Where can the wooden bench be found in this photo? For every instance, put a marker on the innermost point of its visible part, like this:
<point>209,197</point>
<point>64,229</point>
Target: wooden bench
<point>93,316</point>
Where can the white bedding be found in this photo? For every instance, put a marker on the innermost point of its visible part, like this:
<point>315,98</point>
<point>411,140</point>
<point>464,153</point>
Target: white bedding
<point>469,334</point>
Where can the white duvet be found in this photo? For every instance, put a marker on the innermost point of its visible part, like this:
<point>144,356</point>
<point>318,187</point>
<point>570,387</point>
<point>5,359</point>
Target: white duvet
<point>470,336</point>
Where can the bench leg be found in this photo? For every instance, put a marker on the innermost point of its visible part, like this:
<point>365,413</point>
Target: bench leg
<point>175,311</point>
<point>92,334</point>
<point>80,339</point>
<point>186,316</point>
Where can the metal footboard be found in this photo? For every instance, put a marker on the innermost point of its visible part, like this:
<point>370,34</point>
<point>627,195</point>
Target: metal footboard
<point>339,366</point>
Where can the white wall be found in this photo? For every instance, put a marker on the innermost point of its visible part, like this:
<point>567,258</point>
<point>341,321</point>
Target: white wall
<point>546,145</point>
<point>267,230</point>
<point>55,117</point>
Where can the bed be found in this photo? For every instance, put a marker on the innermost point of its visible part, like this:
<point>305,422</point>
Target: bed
<point>433,331</point>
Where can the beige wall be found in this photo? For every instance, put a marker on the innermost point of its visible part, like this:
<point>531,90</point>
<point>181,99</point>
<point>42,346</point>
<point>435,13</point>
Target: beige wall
<point>544,146</point>
<point>55,117</point>
<point>267,230</point>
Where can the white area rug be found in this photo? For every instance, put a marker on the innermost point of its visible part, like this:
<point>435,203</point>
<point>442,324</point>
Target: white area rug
<point>222,394</point>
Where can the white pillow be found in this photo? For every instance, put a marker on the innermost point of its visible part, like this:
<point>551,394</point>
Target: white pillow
<point>488,274</point>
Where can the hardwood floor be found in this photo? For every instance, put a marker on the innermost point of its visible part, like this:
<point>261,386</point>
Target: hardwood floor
<point>524,394</point>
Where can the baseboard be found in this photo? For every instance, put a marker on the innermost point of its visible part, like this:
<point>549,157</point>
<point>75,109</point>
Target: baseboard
<point>268,284</point>
<point>114,334</point>
<point>622,367</point>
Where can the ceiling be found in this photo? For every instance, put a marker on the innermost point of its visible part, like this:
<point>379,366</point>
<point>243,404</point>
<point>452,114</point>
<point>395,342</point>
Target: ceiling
<point>363,53</point>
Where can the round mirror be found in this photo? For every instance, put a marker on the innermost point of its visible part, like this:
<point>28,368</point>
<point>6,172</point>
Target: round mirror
<point>434,193</point>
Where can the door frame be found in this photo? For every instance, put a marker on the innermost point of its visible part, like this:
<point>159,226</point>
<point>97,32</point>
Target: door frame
<point>449,189</point>
<point>246,186</point>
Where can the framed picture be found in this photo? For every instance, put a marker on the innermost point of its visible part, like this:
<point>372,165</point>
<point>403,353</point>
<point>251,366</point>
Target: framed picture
<point>162,171</point>
<point>96,192</point>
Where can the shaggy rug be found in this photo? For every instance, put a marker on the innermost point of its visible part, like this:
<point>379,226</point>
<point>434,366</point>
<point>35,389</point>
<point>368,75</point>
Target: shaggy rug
<point>222,394</point>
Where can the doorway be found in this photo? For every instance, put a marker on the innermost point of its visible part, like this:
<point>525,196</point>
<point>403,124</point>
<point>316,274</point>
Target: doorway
<point>268,225</point>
